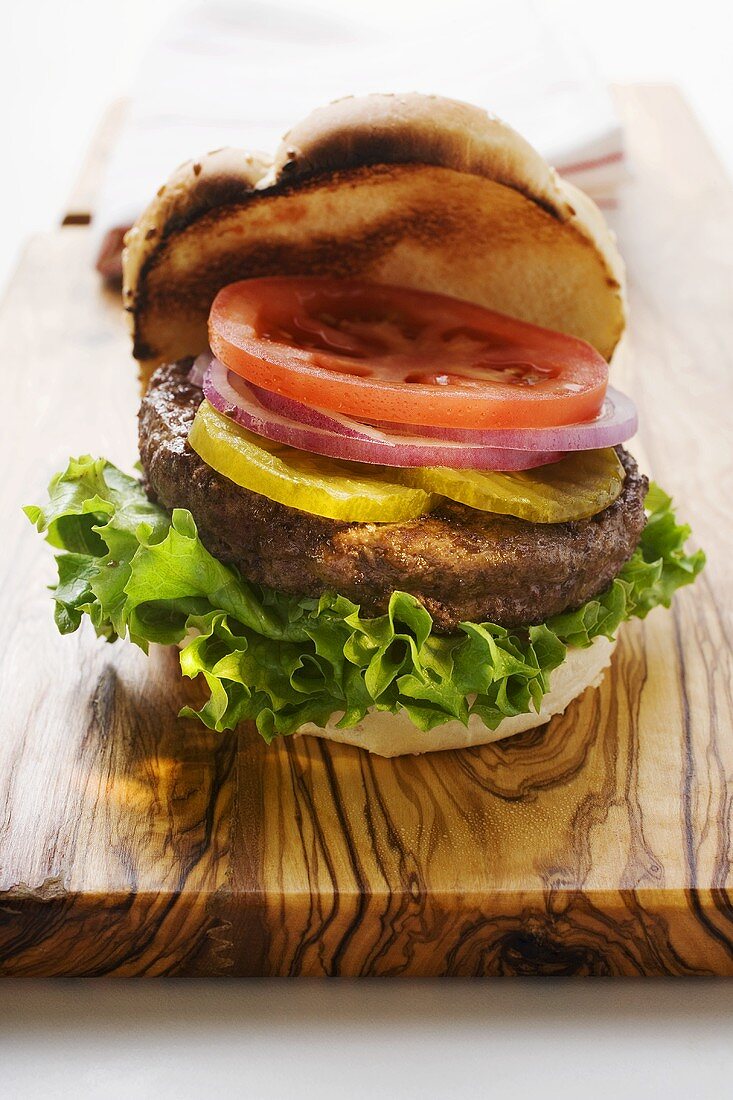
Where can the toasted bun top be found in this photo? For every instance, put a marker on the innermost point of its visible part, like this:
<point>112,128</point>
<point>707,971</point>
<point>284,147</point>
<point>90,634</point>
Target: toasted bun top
<point>414,190</point>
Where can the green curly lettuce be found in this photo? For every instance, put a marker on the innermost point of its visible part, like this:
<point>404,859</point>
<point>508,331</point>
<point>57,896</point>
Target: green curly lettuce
<point>141,573</point>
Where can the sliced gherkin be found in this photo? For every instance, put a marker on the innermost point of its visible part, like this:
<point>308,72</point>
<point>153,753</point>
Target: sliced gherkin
<point>578,486</point>
<point>322,486</point>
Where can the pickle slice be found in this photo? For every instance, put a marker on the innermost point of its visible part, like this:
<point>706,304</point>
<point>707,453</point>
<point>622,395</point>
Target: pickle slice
<point>578,486</point>
<point>322,486</point>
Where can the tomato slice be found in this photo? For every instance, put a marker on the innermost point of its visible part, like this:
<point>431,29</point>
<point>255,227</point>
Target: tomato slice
<point>382,352</point>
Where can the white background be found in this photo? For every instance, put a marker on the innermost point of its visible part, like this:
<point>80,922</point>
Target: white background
<point>61,62</point>
<point>515,1039</point>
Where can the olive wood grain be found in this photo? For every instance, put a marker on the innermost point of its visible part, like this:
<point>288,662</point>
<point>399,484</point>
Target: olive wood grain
<point>132,842</point>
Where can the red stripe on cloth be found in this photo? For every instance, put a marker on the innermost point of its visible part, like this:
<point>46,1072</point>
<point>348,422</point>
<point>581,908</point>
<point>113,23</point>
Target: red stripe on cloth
<point>586,165</point>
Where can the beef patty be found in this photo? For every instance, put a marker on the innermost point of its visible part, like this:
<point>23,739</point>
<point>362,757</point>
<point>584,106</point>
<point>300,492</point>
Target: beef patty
<point>462,564</point>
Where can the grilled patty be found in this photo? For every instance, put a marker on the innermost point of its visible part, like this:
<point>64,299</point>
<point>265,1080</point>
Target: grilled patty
<point>462,564</point>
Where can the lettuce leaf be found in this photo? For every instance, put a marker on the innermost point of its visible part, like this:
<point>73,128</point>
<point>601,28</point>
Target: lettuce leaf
<point>141,573</point>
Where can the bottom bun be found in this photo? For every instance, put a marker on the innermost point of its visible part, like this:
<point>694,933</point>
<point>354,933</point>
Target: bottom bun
<point>394,734</point>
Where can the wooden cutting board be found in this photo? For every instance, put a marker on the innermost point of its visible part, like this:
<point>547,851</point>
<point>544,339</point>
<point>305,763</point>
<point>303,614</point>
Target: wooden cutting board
<point>132,842</point>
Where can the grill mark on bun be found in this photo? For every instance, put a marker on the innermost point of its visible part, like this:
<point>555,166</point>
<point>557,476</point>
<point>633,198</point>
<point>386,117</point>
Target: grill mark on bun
<point>412,168</point>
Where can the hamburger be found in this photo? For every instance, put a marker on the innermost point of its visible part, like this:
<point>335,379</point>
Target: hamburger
<point>384,493</point>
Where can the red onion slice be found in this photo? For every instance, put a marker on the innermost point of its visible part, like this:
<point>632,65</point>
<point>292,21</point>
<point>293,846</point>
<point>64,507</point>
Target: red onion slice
<point>616,423</point>
<point>238,400</point>
<point>199,368</point>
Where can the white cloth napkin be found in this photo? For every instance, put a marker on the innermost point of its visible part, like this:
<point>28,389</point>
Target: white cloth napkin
<point>243,74</point>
